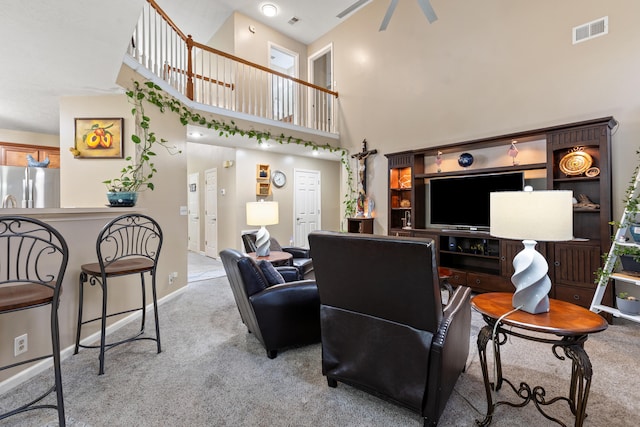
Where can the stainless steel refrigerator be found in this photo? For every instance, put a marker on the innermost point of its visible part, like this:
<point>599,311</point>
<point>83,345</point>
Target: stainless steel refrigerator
<point>31,187</point>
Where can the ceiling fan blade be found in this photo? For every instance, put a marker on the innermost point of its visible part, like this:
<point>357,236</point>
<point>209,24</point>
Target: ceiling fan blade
<point>428,10</point>
<point>387,16</point>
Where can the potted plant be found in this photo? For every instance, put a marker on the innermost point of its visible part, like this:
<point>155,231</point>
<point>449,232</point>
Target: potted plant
<point>136,176</point>
<point>627,304</point>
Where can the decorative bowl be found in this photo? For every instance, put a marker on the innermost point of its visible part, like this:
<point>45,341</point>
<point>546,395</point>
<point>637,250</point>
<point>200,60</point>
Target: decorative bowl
<point>122,199</point>
<point>465,160</point>
<point>628,306</point>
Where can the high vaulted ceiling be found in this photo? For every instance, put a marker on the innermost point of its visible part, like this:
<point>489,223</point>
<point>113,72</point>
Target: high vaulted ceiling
<point>51,49</point>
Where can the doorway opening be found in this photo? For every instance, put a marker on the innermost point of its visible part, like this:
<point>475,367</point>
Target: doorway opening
<point>321,74</point>
<point>284,97</point>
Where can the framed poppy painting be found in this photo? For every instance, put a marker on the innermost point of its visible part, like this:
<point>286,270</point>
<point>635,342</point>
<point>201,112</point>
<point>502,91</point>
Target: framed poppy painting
<point>99,138</point>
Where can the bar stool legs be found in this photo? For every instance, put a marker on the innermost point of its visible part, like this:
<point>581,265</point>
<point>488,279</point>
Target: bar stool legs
<point>104,345</point>
<point>34,261</point>
<point>128,245</point>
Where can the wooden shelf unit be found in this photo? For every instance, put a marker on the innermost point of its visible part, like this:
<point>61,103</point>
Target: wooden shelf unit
<point>571,264</point>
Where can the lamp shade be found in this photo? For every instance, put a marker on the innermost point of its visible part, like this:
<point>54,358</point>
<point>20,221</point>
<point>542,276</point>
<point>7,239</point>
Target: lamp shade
<point>532,215</point>
<point>262,213</point>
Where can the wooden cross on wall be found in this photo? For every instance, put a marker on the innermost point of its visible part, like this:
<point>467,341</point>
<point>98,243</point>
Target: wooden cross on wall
<point>362,175</point>
<point>362,164</point>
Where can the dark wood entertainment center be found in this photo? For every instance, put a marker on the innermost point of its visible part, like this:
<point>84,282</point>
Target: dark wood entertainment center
<point>484,263</point>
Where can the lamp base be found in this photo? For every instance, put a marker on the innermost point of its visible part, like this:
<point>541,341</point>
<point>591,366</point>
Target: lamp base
<point>263,242</point>
<point>531,280</point>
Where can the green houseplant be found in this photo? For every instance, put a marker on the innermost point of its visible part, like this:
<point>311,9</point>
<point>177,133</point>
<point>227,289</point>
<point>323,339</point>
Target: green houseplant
<point>137,175</point>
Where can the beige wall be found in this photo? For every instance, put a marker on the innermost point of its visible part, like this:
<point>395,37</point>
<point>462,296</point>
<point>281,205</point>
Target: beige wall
<point>484,69</point>
<point>254,47</point>
<point>31,138</point>
<point>246,190</point>
<point>223,38</point>
<point>81,179</point>
<point>239,184</point>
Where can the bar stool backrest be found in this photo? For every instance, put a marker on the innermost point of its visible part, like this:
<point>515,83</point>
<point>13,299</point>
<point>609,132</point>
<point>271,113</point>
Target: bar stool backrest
<point>129,236</point>
<point>31,251</point>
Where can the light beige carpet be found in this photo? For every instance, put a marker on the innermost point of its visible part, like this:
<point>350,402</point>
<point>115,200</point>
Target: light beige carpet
<point>213,373</point>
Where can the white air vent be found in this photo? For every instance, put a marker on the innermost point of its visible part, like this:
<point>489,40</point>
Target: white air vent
<point>590,30</point>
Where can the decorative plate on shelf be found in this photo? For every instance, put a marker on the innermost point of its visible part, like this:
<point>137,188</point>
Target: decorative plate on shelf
<point>591,172</point>
<point>575,163</point>
<point>465,160</point>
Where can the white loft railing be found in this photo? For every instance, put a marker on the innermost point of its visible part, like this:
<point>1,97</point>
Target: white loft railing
<point>212,77</point>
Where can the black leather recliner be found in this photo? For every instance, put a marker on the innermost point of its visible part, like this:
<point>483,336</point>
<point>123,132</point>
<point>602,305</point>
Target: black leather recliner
<point>301,259</point>
<point>384,328</point>
<point>278,315</point>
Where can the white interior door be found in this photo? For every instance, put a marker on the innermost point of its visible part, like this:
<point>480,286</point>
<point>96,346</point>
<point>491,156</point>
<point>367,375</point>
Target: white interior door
<point>211,213</point>
<point>193,200</point>
<point>306,205</point>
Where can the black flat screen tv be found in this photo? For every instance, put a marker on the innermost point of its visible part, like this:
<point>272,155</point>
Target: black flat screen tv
<point>464,202</point>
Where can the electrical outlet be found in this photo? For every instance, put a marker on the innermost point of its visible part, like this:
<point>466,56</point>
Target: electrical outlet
<point>172,277</point>
<point>20,345</point>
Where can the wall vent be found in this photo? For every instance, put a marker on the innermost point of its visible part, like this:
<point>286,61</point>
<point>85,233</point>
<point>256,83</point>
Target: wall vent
<point>591,30</point>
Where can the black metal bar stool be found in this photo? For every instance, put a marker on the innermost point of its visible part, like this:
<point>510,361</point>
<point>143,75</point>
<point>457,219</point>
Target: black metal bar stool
<point>33,262</point>
<point>129,244</point>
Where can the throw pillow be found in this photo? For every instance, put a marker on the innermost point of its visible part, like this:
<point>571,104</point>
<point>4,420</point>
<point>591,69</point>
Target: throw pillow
<point>273,276</point>
<point>252,276</point>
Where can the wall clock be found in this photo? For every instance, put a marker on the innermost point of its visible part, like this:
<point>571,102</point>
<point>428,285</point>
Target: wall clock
<point>279,179</point>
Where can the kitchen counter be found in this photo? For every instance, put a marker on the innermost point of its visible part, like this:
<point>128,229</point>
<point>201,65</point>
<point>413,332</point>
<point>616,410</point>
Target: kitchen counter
<point>54,214</point>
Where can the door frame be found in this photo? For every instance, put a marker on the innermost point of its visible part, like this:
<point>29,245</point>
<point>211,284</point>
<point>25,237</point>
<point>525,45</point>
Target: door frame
<point>318,173</point>
<point>295,96</point>
<point>311,78</point>
<point>196,193</point>
<point>206,172</point>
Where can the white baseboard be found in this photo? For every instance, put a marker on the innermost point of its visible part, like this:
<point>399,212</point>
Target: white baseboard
<point>45,364</point>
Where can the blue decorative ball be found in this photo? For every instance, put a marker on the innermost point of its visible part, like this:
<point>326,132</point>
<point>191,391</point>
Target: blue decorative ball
<point>465,160</point>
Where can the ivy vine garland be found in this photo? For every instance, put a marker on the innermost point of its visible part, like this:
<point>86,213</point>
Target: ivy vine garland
<point>154,95</point>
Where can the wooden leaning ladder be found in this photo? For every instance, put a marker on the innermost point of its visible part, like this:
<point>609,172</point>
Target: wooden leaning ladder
<point>620,240</point>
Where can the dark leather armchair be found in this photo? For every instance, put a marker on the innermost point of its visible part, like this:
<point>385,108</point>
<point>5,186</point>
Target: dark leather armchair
<point>278,315</point>
<point>301,259</point>
<point>384,328</point>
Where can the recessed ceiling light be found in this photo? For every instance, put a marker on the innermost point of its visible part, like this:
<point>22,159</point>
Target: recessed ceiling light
<point>269,9</point>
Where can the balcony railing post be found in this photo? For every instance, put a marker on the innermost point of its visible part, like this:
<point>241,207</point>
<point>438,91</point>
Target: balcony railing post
<point>190,67</point>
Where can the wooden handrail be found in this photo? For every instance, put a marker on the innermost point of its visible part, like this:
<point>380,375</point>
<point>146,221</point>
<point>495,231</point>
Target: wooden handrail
<point>191,43</point>
<point>166,18</point>
<point>260,67</point>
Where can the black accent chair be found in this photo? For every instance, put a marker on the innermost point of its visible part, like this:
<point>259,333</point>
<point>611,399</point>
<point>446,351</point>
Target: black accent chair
<point>34,260</point>
<point>278,315</point>
<point>301,258</point>
<point>384,328</point>
<point>128,245</point>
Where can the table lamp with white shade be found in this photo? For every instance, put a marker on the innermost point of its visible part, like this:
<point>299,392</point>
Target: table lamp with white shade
<point>531,216</point>
<point>262,213</point>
